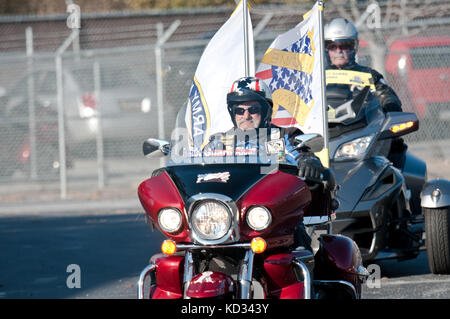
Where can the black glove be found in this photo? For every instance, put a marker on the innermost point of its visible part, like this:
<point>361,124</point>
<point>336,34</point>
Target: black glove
<point>309,166</point>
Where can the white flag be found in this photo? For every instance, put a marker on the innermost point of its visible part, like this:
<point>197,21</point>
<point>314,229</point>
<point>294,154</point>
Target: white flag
<point>222,62</point>
<point>292,67</point>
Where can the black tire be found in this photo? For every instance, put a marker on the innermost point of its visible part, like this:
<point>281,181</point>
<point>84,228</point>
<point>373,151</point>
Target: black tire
<point>437,227</point>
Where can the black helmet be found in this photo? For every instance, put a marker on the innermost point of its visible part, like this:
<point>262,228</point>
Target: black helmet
<point>251,89</point>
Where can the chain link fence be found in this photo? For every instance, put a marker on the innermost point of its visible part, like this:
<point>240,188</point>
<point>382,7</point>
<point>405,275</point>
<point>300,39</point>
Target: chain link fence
<point>76,108</point>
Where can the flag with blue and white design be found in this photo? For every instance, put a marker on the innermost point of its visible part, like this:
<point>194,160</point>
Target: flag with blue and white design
<point>222,62</point>
<point>293,69</point>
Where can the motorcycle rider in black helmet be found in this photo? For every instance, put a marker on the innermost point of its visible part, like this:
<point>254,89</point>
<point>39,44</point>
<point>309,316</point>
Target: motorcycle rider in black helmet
<point>249,104</point>
<point>341,46</point>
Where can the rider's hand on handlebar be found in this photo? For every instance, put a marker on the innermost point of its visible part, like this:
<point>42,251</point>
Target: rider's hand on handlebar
<point>309,167</point>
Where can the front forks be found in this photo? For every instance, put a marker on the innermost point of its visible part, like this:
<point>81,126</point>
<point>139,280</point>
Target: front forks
<point>244,277</point>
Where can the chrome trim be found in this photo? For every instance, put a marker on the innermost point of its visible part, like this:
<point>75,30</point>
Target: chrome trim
<point>195,246</point>
<point>245,275</point>
<point>344,283</point>
<point>152,145</point>
<point>233,232</point>
<point>308,261</point>
<point>176,210</point>
<point>188,272</point>
<point>315,220</point>
<point>435,194</point>
<point>306,277</point>
<point>363,273</point>
<point>268,212</point>
<point>142,277</point>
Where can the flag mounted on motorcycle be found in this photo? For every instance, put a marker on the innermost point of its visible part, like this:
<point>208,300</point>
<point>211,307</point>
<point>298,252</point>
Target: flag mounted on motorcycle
<point>222,62</point>
<point>293,68</point>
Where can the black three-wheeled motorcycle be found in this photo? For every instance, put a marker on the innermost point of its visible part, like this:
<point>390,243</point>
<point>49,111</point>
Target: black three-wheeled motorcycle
<point>387,208</point>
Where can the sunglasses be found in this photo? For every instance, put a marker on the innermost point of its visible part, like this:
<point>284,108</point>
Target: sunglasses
<point>252,110</point>
<point>342,46</point>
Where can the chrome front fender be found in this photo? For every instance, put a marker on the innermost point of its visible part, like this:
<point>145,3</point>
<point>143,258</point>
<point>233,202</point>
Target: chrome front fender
<point>435,194</point>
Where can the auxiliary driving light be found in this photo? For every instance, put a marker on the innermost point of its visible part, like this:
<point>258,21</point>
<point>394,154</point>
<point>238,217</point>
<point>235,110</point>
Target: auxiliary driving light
<point>258,245</point>
<point>168,247</point>
<point>170,219</point>
<point>259,218</point>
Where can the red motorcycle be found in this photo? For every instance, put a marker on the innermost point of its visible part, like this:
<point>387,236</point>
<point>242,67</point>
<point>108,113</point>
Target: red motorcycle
<point>230,220</point>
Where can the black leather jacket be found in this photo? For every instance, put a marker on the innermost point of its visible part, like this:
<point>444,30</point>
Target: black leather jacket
<point>386,95</point>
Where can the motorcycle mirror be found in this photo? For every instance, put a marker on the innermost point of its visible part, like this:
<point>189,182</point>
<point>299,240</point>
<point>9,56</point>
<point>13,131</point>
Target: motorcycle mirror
<point>314,142</point>
<point>398,124</point>
<point>152,145</point>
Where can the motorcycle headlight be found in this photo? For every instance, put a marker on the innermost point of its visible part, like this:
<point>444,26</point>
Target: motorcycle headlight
<point>353,150</point>
<point>211,220</point>
<point>170,219</point>
<point>259,218</point>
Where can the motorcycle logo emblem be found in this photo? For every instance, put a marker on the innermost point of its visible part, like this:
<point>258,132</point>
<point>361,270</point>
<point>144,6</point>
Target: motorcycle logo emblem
<point>213,177</point>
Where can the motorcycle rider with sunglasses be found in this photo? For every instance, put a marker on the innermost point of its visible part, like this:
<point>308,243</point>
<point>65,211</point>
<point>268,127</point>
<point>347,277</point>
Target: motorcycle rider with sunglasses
<point>341,46</point>
<point>249,104</point>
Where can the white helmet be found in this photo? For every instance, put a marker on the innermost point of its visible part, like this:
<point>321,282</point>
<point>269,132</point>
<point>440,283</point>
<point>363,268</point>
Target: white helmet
<point>341,30</point>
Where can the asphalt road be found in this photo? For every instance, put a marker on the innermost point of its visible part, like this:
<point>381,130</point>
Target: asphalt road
<point>110,249</point>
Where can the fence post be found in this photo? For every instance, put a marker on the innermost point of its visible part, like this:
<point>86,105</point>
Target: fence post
<point>159,80</point>
<point>31,104</point>
<point>61,115</point>
<point>99,137</point>
<point>162,38</point>
<point>61,127</point>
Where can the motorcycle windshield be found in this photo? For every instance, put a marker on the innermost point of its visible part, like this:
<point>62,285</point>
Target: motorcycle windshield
<point>362,111</point>
<point>229,165</point>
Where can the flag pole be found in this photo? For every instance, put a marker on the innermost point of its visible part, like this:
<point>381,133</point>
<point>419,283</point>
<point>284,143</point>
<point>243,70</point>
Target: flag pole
<point>246,48</point>
<point>323,85</point>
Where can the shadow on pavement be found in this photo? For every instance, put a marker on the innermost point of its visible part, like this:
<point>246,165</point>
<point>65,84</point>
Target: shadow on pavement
<point>392,268</point>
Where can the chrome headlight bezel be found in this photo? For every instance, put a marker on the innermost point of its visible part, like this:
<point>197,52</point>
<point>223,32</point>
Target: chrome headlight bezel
<point>353,150</point>
<point>211,214</point>
<point>170,219</point>
<point>229,233</point>
<point>258,218</point>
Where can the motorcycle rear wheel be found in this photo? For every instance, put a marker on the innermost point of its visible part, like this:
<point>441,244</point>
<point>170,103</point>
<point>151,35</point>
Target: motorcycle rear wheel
<point>437,226</point>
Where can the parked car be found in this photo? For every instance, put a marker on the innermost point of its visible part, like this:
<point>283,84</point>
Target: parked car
<point>16,142</point>
<point>127,101</point>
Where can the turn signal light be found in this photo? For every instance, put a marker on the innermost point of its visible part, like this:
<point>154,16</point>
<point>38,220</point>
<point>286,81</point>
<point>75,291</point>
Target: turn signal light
<point>402,126</point>
<point>168,247</point>
<point>258,245</point>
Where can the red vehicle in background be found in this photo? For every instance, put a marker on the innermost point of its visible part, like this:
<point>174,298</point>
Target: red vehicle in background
<point>418,69</point>
<point>422,66</point>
